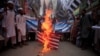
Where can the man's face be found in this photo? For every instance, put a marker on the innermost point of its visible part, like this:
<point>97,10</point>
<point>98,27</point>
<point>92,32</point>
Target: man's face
<point>10,6</point>
<point>21,12</point>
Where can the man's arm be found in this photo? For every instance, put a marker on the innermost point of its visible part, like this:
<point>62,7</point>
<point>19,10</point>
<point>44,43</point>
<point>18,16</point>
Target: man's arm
<point>29,17</point>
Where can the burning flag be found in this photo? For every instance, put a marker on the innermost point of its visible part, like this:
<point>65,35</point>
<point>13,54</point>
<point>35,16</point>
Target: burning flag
<point>47,36</point>
<point>47,30</point>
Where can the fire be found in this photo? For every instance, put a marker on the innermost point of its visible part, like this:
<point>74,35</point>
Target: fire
<point>47,30</point>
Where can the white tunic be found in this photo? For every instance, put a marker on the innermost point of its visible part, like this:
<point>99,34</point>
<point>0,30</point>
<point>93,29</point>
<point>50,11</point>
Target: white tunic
<point>10,23</point>
<point>21,23</point>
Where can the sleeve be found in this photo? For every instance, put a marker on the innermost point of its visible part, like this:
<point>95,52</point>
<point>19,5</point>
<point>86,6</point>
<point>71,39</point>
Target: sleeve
<point>29,17</point>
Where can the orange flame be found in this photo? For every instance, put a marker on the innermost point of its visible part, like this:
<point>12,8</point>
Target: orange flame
<point>47,30</point>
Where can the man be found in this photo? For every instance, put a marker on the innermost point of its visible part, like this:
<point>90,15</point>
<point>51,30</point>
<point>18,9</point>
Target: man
<point>97,31</point>
<point>85,24</point>
<point>74,30</point>
<point>9,24</point>
<point>21,27</point>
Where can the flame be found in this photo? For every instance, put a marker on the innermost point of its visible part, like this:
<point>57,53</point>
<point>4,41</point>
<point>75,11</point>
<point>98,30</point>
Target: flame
<point>47,30</point>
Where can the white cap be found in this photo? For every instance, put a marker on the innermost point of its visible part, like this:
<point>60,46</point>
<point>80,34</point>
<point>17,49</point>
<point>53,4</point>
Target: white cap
<point>11,2</point>
<point>20,8</point>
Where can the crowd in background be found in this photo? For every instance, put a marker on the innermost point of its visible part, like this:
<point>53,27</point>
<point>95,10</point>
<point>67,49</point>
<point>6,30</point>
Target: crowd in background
<point>82,32</point>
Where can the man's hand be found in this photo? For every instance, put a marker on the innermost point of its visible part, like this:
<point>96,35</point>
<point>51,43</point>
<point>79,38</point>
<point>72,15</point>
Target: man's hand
<point>89,27</point>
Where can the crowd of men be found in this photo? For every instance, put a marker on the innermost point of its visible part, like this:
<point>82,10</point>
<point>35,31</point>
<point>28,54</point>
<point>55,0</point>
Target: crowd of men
<point>82,32</point>
<point>13,27</point>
